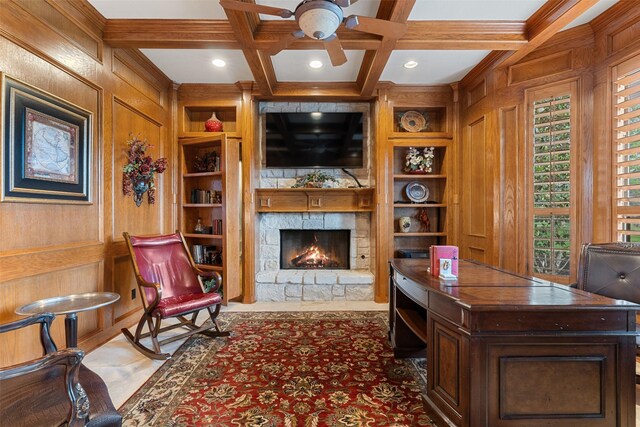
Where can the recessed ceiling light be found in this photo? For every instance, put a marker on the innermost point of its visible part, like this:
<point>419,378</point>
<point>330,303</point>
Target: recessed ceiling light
<point>218,62</point>
<point>410,64</point>
<point>315,64</point>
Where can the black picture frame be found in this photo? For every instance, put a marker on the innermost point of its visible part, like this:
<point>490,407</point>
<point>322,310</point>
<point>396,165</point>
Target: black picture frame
<point>46,147</point>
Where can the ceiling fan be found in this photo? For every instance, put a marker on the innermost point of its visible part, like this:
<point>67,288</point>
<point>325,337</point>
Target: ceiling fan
<point>319,19</point>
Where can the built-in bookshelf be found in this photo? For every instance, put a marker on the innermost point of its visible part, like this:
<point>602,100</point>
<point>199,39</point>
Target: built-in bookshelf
<point>210,206</point>
<point>428,128</point>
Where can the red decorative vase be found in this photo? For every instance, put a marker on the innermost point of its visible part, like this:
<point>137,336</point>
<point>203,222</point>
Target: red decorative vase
<point>213,124</point>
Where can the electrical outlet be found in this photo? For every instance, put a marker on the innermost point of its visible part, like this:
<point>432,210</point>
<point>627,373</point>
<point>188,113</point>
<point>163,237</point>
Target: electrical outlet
<point>133,293</point>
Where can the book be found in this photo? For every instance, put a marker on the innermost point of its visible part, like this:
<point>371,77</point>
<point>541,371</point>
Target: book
<point>437,252</point>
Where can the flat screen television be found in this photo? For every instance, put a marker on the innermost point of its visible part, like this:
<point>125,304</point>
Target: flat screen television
<point>314,140</point>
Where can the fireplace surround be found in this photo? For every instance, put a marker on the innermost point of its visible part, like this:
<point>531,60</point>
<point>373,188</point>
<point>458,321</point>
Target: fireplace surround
<point>355,282</point>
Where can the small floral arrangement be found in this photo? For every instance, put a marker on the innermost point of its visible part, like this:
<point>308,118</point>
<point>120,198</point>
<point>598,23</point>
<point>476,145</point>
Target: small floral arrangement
<point>138,173</point>
<point>317,179</point>
<point>419,162</point>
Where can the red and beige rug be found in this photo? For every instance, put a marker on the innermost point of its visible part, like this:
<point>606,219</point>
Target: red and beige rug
<point>293,369</point>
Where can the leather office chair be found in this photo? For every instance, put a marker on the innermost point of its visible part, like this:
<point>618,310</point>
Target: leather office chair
<point>56,389</point>
<point>612,270</point>
<point>169,288</point>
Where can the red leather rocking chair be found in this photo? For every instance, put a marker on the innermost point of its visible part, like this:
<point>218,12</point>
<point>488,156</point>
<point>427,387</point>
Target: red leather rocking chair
<point>169,287</point>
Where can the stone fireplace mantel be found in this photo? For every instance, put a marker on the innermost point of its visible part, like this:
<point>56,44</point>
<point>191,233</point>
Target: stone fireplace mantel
<point>314,199</point>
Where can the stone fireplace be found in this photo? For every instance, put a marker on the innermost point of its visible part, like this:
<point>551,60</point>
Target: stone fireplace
<point>312,280</point>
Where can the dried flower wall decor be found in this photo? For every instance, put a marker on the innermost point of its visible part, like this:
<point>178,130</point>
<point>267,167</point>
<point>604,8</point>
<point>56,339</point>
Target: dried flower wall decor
<point>138,174</point>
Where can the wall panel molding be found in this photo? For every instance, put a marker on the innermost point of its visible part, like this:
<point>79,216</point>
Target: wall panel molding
<point>475,176</point>
<point>33,262</point>
<point>126,216</point>
<point>625,38</point>
<point>542,67</point>
<point>128,66</point>
<point>477,93</point>
<point>510,187</point>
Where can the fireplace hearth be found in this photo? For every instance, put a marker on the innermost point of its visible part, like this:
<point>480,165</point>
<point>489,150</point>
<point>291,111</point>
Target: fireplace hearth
<point>314,249</point>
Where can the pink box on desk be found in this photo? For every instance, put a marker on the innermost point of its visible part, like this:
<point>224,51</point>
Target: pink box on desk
<point>437,252</point>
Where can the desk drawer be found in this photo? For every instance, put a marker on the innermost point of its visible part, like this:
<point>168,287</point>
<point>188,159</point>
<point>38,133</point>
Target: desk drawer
<point>413,290</point>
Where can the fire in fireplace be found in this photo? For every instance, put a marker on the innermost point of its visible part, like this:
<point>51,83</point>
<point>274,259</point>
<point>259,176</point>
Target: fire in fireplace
<point>314,249</point>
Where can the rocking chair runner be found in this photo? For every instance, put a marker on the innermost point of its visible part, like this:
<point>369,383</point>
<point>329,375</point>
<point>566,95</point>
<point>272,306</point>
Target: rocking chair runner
<point>169,287</point>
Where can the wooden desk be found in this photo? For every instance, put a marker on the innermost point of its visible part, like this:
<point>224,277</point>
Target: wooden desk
<point>509,351</point>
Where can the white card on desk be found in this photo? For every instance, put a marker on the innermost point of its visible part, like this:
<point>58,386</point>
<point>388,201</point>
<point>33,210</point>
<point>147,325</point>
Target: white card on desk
<point>445,269</point>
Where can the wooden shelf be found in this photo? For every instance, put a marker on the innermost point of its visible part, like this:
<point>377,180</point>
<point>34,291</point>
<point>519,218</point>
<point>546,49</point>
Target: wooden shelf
<point>419,205</point>
<point>210,267</point>
<point>207,134</point>
<point>413,321</point>
<point>203,236</point>
<point>201,205</point>
<point>419,234</point>
<point>417,176</point>
<point>435,138</point>
<point>202,174</point>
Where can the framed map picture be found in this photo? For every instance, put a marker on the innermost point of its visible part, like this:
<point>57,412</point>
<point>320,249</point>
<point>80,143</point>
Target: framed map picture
<point>46,148</point>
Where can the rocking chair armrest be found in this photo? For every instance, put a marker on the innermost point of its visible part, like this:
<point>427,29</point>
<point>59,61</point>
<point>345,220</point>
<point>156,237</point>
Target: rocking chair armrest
<point>208,275</point>
<point>155,286</point>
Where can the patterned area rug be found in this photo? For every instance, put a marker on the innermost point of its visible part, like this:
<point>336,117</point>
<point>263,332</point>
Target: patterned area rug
<point>288,369</point>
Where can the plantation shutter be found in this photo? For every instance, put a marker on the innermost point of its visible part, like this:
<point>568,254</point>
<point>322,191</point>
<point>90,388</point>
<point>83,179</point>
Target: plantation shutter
<point>552,185</point>
<point>626,130</point>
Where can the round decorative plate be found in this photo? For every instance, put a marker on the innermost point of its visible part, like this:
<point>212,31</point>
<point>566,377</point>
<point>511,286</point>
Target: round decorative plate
<point>417,192</point>
<point>413,121</point>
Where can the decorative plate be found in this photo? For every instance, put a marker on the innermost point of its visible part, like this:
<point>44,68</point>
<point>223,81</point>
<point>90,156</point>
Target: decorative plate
<point>416,192</point>
<point>413,121</point>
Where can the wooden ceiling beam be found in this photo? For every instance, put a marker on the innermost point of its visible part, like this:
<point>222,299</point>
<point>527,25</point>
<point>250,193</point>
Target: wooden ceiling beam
<point>243,26</point>
<point>551,18</point>
<point>420,35</point>
<point>305,91</point>
<point>374,61</point>
<point>170,34</point>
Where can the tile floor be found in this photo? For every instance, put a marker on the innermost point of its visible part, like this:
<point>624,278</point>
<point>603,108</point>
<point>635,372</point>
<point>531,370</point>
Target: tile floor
<point>124,370</point>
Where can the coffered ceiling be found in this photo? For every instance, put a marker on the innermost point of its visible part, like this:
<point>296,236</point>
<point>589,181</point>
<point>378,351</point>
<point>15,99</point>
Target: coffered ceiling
<point>447,38</point>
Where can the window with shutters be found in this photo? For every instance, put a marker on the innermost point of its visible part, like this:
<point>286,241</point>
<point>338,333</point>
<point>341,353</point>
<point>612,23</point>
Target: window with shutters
<point>551,182</point>
<point>626,139</point>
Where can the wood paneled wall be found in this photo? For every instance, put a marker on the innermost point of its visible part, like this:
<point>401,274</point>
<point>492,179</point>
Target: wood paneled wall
<point>493,224</point>
<point>53,249</point>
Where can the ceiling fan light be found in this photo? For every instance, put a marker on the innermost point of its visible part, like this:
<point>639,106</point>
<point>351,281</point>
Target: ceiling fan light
<point>319,19</point>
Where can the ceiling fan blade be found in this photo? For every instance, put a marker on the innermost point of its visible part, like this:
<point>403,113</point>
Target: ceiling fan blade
<point>257,8</point>
<point>284,43</point>
<point>334,49</point>
<point>344,3</point>
<point>375,26</point>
